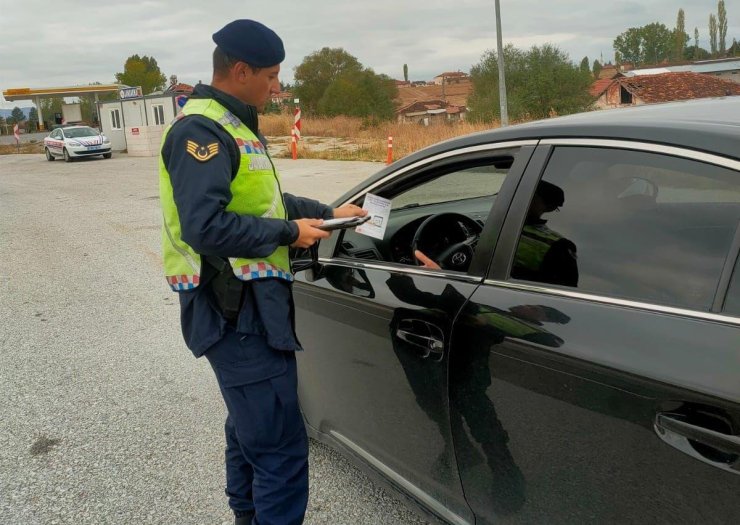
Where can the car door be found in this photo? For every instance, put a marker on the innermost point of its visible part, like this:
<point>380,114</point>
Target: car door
<point>376,327</point>
<point>594,375</point>
<point>57,144</point>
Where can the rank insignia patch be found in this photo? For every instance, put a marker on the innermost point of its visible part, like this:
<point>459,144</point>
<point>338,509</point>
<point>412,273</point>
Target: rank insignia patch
<point>202,153</point>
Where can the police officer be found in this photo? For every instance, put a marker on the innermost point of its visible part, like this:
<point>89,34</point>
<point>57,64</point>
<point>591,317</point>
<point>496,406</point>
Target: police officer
<point>227,231</point>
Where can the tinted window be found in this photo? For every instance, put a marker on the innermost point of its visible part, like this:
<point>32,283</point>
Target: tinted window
<point>468,190</point>
<point>732,302</point>
<point>81,132</point>
<point>630,224</point>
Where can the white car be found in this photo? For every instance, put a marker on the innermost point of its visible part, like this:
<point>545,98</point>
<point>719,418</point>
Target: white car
<point>76,141</point>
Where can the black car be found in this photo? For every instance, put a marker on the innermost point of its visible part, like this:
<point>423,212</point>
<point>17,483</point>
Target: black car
<point>576,359</point>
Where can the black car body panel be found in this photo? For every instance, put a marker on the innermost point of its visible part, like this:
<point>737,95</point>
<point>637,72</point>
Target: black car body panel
<point>585,367</point>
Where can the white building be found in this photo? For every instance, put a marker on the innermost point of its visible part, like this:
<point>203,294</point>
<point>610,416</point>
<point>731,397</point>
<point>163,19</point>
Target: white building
<point>136,123</point>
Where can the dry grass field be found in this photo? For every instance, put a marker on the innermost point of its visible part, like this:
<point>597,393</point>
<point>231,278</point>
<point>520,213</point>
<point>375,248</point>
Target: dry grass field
<point>346,138</point>
<point>338,138</point>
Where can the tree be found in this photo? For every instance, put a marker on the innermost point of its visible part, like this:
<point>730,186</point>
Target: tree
<point>596,69</point>
<point>722,26</point>
<point>696,42</point>
<point>651,44</point>
<point>656,44</point>
<point>679,36</point>
<point>142,71</point>
<point>585,65</point>
<point>360,94</point>
<point>713,34</point>
<point>317,71</point>
<point>539,81</point>
<point>734,48</point>
<point>629,45</point>
<point>89,109</point>
<point>406,72</point>
<point>33,119</point>
<point>16,116</point>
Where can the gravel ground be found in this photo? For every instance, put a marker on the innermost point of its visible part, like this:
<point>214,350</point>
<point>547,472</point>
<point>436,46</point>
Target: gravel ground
<point>106,417</point>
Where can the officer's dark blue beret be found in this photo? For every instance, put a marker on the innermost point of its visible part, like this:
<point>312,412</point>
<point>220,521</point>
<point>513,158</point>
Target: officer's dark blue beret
<point>250,42</point>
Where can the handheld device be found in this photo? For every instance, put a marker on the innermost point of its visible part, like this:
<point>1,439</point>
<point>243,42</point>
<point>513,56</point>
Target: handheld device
<point>347,222</point>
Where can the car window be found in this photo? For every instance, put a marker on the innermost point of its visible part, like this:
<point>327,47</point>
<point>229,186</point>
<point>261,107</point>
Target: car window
<point>459,198</point>
<point>732,301</point>
<point>630,224</point>
<point>81,132</point>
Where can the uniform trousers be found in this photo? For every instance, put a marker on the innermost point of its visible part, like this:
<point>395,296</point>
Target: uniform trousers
<point>266,442</point>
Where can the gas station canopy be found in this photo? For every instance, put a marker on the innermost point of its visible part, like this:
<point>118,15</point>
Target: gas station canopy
<point>36,94</point>
<point>70,91</point>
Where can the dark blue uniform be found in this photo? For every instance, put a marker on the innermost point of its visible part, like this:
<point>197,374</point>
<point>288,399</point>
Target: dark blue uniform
<point>253,359</point>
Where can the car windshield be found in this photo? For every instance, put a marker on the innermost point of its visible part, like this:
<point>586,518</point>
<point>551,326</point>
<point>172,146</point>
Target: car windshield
<point>80,132</point>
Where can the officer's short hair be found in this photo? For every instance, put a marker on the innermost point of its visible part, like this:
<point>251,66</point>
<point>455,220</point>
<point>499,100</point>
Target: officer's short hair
<point>223,62</point>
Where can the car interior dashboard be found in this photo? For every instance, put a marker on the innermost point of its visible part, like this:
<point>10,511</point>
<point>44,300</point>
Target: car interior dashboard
<point>403,224</point>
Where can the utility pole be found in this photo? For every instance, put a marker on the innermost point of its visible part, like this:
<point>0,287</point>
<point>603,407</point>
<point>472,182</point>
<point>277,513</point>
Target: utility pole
<point>501,75</point>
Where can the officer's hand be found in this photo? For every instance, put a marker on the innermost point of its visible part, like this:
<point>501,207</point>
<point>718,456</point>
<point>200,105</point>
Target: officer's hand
<point>425,261</point>
<point>349,210</point>
<point>308,234</point>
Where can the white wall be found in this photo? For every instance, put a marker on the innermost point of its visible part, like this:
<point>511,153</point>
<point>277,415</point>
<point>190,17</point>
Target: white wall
<point>146,142</point>
<point>116,136</point>
<point>137,114</point>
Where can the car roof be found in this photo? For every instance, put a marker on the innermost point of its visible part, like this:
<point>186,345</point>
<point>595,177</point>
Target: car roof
<point>711,125</point>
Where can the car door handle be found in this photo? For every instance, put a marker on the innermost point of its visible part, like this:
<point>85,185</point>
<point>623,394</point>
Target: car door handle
<point>422,335</point>
<point>679,434</point>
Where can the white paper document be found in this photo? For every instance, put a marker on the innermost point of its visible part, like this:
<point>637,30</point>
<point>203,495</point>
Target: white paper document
<point>379,210</point>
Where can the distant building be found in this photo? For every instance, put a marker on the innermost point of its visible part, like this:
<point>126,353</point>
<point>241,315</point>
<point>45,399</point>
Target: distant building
<point>724,68</point>
<point>450,77</point>
<point>662,87</point>
<point>428,112</point>
<point>281,98</point>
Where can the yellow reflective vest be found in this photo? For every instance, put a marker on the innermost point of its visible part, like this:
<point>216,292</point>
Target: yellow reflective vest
<point>255,191</point>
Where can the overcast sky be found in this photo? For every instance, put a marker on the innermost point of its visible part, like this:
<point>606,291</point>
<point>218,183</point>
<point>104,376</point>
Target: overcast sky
<point>73,42</point>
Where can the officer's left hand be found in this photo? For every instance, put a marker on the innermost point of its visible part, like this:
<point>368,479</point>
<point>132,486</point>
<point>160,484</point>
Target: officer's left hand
<point>349,210</point>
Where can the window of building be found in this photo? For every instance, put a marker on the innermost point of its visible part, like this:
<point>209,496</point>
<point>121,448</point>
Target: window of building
<point>158,110</point>
<point>115,119</point>
<point>630,224</point>
<point>625,97</point>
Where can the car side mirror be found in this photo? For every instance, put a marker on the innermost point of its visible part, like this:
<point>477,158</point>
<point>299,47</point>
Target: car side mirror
<point>304,258</point>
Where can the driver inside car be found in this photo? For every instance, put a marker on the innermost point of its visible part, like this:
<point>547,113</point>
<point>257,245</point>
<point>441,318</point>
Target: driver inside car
<point>543,255</point>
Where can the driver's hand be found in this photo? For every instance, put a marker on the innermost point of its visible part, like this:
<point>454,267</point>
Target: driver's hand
<point>426,262</point>
<point>349,210</point>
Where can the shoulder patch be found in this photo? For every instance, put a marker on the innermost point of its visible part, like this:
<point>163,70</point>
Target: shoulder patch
<point>202,153</point>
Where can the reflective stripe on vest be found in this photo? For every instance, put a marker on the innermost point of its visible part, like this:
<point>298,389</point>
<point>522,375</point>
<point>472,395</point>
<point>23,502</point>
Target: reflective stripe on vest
<point>255,191</point>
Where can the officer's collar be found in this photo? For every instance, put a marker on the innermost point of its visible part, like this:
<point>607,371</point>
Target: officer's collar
<point>244,112</point>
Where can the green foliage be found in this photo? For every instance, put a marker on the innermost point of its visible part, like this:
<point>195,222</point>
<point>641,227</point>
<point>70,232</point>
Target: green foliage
<point>649,44</point>
<point>360,94</point>
<point>317,71</point>
<point>713,34</point>
<point>51,105</point>
<point>596,68</point>
<point>406,72</point>
<point>16,116</point>
<point>89,109</point>
<point>722,26</point>
<point>142,71</point>
<point>539,82</point>
<point>33,119</point>
<point>585,65</point>
<point>679,36</point>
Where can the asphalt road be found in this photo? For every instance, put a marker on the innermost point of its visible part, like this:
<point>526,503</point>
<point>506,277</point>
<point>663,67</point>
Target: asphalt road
<point>106,416</point>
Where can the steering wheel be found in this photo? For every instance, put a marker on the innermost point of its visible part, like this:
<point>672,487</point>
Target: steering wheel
<point>449,239</point>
